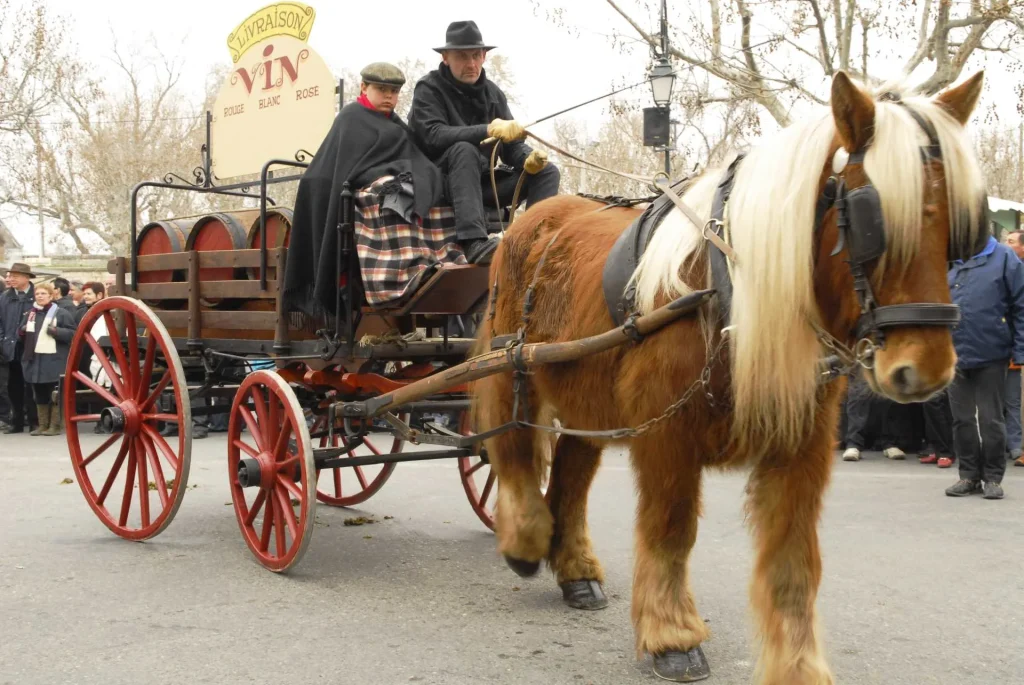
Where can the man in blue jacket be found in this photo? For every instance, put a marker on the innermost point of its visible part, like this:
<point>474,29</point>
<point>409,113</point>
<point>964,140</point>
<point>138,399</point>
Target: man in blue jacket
<point>989,287</point>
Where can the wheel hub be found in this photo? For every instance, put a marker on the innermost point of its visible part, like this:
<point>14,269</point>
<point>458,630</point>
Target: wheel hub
<point>124,418</point>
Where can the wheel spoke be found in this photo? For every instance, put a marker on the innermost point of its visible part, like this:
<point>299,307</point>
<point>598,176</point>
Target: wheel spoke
<point>162,446</point>
<point>262,419</point>
<point>129,485</point>
<point>491,477</point>
<point>167,418</point>
<point>158,471</point>
<point>143,483</point>
<point>268,516</point>
<point>256,504</point>
<point>133,353</point>
<point>146,377</point>
<point>290,486</point>
<point>369,444</point>
<point>104,360</point>
<point>245,448</point>
<point>78,418</point>
<point>276,421</point>
<point>155,394</point>
<point>361,477</point>
<point>100,450</point>
<point>289,513</point>
<point>282,548</point>
<point>337,482</point>
<point>114,470</point>
<point>254,430</point>
<point>115,344</point>
<point>96,388</point>
<point>476,467</point>
<point>282,441</point>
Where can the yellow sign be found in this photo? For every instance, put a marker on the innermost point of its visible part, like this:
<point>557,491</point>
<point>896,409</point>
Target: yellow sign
<point>281,19</point>
<point>279,99</point>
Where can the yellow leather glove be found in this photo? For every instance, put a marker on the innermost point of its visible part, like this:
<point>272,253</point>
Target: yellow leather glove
<point>506,131</point>
<point>537,160</point>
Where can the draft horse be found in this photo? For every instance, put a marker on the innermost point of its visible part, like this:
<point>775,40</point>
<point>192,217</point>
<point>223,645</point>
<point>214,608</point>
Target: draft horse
<point>800,278</point>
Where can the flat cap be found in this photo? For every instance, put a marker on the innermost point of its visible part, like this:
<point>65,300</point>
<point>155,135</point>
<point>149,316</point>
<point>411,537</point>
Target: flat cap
<point>383,74</point>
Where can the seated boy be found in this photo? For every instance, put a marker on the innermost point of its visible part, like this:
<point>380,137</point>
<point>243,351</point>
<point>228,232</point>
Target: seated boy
<point>368,141</point>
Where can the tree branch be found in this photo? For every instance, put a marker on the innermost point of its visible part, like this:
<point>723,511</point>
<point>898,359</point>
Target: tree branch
<point>826,57</point>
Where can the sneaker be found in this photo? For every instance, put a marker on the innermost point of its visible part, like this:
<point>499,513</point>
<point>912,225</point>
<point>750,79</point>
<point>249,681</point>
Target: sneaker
<point>200,432</point>
<point>929,459</point>
<point>945,462</point>
<point>480,250</point>
<point>992,490</point>
<point>851,454</point>
<point>894,453</point>
<point>964,488</point>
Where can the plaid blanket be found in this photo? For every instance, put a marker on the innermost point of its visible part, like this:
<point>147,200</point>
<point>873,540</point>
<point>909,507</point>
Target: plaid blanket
<point>395,257</point>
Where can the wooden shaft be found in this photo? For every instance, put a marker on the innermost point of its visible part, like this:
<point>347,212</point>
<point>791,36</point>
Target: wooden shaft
<point>533,354</point>
<point>122,289</point>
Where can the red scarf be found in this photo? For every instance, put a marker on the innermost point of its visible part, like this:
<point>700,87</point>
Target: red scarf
<point>365,102</point>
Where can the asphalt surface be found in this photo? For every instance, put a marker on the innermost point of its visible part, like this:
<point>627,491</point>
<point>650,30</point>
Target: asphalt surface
<point>918,588</point>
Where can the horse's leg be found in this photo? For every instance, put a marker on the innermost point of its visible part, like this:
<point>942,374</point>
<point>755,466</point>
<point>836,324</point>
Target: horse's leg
<point>785,495</point>
<point>578,571</point>
<point>665,616</point>
<point>522,520</point>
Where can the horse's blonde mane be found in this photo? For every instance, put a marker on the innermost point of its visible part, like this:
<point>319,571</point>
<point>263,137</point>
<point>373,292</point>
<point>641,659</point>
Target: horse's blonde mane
<point>774,350</point>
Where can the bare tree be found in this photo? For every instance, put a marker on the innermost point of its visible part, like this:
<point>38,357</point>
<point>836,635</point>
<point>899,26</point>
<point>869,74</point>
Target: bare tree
<point>1001,153</point>
<point>31,66</point>
<point>77,167</point>
<point>799,44</point>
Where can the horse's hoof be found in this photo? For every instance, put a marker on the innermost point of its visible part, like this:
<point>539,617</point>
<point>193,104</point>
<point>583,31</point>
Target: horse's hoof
<point>584,594</point>
<point>523,568</point>
<point>682,667</point>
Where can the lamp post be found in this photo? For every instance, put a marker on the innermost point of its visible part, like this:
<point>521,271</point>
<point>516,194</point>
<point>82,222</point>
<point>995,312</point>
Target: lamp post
<point>662,77</point>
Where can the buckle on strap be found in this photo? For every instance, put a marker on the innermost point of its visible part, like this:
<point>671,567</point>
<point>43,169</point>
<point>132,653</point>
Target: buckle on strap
<point>922,314</point>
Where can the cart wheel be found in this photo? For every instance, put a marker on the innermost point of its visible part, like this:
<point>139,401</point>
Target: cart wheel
<point>134,457</point>
<point>347,486</point>
<point>271,470</point>
<point>478,479</point>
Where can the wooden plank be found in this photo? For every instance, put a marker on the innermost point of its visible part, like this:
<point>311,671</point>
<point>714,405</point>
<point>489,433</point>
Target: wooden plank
<point>281,331</point>
<point>452,290</point>
<point>247,290</point>
<point>207,259</point>
<point>195,316</point>
<point>227,320</point>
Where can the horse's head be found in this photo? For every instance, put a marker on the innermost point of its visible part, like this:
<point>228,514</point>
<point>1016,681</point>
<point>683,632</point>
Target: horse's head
<point>909,199</point>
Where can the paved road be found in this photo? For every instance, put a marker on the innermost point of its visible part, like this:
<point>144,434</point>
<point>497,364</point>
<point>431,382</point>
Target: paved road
<point>918,588</point>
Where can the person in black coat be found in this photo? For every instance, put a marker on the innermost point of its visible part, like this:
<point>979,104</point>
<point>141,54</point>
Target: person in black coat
<point>15,301</point>
<point>454,109</point>
<point>367,141</point>
<point>63,295</point>
<point>46,330</point>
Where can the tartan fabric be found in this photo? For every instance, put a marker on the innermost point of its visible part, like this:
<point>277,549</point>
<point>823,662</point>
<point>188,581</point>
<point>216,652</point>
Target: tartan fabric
<point>393,254</point>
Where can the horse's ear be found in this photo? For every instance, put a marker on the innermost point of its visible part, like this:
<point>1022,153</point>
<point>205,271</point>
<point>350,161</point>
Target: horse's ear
<point>960,101</point>
<point>854,112</point>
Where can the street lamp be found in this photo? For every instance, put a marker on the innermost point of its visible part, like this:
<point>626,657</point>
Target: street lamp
<point>662,78</point>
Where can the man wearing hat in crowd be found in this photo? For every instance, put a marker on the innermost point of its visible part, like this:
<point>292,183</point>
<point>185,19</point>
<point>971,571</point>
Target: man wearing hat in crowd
<point>367,141</point>
<point>14,302</point>
<point>454,109</point>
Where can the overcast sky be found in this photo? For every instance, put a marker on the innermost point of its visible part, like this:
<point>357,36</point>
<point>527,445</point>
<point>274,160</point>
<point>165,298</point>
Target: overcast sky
<point>553,69</point>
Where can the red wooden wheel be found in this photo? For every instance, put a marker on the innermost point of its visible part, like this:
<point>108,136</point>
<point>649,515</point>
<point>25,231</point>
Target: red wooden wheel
<point>478,479</point>
<point>134,460</point>
<point>347,486</point>
<point>271,470</point>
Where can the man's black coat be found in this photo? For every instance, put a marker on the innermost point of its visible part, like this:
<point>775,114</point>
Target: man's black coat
<point>446,111</point>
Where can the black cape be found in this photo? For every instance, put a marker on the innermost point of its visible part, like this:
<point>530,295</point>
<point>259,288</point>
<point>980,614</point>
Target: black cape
<point>361,146</point>
<point>446,111</point>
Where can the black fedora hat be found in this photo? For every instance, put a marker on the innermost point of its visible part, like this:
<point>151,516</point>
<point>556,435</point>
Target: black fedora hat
<point>464,35</point>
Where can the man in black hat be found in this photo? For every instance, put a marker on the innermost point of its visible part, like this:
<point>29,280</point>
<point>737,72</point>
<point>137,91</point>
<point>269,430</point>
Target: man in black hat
<point>454,109</point>
<point>14,302</point>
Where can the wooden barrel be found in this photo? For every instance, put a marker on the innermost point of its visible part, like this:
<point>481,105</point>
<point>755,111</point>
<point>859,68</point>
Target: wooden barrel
<point>163,237</point>
<point>279,226</point>
<point>216,232</point>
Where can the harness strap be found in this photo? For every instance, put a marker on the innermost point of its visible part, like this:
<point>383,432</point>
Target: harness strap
<point>923,314</point>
